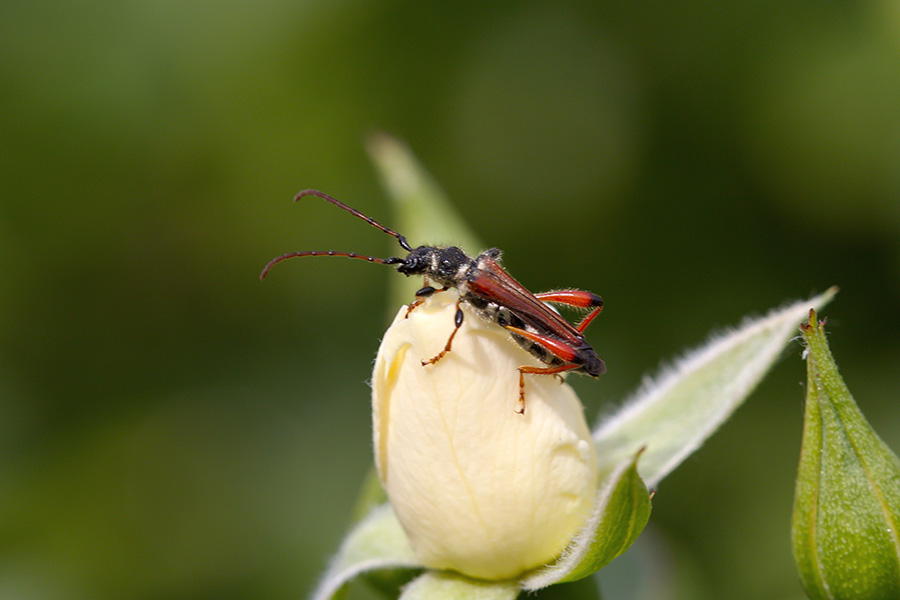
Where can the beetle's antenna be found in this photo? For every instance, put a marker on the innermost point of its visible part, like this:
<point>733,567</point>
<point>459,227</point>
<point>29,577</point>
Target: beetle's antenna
<point>382,261</point>
<point>403,243</point>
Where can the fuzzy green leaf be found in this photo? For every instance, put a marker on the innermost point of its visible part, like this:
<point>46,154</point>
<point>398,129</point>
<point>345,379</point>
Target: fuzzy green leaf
<point>673,414</point>
<point>847,502</point>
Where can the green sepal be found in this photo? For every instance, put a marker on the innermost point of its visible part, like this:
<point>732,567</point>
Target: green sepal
<point>621,511</point>
<point>423,213</point>
<point>446,585</point>
<point>376,543</point>
<point>847,500</point>
<point>674,413</point>
<point>371,495</point>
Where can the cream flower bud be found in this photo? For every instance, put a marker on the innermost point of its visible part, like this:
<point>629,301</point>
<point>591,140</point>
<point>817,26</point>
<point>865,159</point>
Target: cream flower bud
<point>478,488</point>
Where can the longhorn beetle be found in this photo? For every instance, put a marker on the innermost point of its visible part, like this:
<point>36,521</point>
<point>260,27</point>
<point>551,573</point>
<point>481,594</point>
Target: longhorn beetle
<point>494,295</point>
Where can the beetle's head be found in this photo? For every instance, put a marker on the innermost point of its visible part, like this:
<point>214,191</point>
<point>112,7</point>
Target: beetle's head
<point>443,265</point>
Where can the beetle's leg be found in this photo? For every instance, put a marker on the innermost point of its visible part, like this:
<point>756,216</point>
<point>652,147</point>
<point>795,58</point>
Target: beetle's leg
<point>458,321</point>
<point>558,348</point>
<point>423,293</point>
<point>537,371</point>
<point>578,299</point>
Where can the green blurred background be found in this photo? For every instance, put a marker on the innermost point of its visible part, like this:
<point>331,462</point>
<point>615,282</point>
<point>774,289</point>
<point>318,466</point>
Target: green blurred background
<point>171,427</point>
